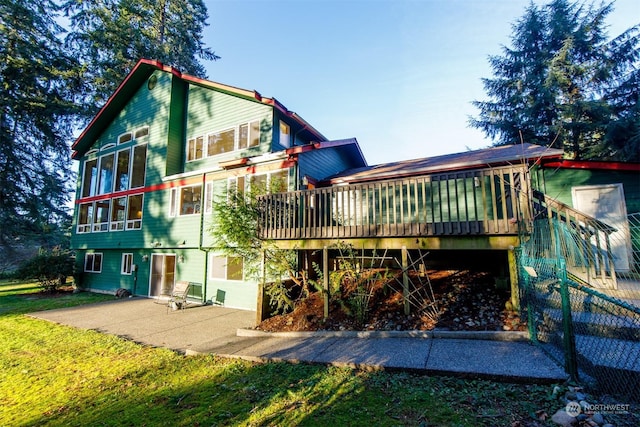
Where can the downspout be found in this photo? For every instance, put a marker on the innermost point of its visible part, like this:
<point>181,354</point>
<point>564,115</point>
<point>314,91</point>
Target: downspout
<point>201,238</point>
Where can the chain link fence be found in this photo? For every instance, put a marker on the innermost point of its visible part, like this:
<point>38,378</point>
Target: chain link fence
<point>593,333</point>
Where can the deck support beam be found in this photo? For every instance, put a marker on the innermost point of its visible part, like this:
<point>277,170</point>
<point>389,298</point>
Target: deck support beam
<point>513,279</point>
<point>405,280</point>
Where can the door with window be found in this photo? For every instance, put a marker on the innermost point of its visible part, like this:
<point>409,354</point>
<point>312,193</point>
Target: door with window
<point>163,273</point>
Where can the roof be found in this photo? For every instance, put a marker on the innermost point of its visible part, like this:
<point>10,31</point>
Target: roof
<point>139,75</point>
<point>591,165</point>
<point>493,156</point>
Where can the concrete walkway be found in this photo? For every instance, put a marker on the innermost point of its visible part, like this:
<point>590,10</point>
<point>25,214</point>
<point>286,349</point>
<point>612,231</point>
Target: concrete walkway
<point>226,332</point>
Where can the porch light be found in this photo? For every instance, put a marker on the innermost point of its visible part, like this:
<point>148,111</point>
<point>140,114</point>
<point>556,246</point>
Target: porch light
<point>181,259</point>
<point>145,258</point>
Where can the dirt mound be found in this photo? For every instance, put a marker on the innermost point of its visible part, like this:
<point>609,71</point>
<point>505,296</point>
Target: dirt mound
<point>462,300</point>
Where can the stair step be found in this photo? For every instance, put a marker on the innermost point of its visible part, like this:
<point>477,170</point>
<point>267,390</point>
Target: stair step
<point>595,324</point>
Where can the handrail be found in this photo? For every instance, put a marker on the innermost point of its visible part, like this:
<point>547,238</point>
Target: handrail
<point>474,202</point>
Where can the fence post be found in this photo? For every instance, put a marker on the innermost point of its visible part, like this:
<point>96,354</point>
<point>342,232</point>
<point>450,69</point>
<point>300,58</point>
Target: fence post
<point>568,337</point>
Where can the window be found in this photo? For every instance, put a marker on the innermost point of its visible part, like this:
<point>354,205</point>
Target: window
<point>272,182</point>
<point>105,184</point>
<point>249,135</point>
<point>85,215</point>
<point>241,137</point>
<point>90,178</point>
<point>124,138</point>
<point>190,200</point>
<point>142,132</point>
<point>285,135</point>
<point>208,198</point>
<point>194,148</point>
<point>138,166</point>
<point>101,219</point>
<point>185,200</point>
<point>118,209</point>
<point>122,170</point>
<point>221,142</point>
<point>127,264</point>
<point>226,268</point>
<point>93,263</point>
<point>134,212</point>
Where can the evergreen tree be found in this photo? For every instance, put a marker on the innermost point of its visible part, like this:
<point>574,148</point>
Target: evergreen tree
<point>36,120</point>
<point>109,37</point>
<point>564,84</point>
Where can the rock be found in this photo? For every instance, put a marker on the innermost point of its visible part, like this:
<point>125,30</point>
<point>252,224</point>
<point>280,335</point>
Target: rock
<point>608,425</point>
<point>562,418</point>
<point>570,395</point>
<point>598,418</point>
<point>581,396</point>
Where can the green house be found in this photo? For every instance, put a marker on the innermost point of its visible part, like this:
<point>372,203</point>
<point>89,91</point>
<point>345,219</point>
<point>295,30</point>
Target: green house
<point>152,161</point>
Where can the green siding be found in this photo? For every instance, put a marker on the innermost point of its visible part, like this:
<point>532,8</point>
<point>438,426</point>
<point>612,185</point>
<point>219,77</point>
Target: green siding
<point>176,138</point>
<point>210,111</point>
<point>557,183</point>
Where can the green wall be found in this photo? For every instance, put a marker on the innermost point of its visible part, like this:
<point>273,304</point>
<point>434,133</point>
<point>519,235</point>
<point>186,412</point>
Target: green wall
<point>557,183</point>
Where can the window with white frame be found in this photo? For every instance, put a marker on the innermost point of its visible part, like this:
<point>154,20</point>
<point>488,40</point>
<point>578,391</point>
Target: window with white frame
<point>285,135</point>
<point>226,267</point>
<point>118,213</point>
<point>101,215</point>
<point>125,137</point>
<point>221,142</point>
<point>85,217</point>
<point>110,173</point>
<point>134,212</point>
<point>208,197</point>
<point>90,178</point>
<point>126,266</point>
<point>185,200</point>
<point>93,263</point>
<point>241,137</point>
<point>195,148</point>
<point>249,135</point>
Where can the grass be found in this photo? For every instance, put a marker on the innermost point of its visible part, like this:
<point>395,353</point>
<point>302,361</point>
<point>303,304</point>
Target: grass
<point>54,375</point>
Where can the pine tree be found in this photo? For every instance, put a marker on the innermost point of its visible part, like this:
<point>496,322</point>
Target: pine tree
<point>564,84</point>
<point>110,36</point>
<point>36,119</point>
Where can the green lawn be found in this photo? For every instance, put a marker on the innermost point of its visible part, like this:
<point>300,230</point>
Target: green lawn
<point>56,375</point>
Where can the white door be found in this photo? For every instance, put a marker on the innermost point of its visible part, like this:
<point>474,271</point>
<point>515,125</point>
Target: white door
<point>163,273</point>
<point>606,203</point>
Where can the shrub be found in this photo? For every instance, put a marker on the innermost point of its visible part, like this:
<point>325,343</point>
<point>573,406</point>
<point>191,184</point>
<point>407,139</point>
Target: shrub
<point>50,268</point>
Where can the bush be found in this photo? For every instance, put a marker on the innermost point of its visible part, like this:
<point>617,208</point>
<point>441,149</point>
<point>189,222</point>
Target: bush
<point>50,268</point>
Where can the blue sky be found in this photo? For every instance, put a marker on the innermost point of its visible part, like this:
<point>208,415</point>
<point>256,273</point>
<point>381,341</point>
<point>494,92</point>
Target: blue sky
<point>398,75</point>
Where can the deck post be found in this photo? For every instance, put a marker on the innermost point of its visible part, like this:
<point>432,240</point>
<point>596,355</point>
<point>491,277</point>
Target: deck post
<point>405,280</point>
<point>325,280</point>
<point>262,308</point>
<point>513,279</point>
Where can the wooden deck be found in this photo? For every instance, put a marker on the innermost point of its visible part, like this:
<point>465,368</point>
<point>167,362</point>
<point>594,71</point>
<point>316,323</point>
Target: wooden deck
<point>465,209</point>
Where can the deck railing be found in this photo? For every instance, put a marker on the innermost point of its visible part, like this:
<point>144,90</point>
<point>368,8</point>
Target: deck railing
<point>588,250</point>
<point>473,202</point>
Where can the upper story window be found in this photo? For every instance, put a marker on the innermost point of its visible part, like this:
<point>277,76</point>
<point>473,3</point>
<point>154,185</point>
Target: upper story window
<point>285,135</point>
<point>115,214</point>
<point>125,137</point>
<point>241,137</point>
<point>119,171</point>
<point>185,200</point>
<point>111,172</point>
